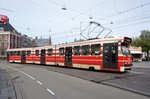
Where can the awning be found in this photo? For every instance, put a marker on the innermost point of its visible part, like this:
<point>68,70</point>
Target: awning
<point>136,52</point>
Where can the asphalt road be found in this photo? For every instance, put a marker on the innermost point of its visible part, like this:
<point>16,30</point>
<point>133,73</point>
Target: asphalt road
<point>44,82</point>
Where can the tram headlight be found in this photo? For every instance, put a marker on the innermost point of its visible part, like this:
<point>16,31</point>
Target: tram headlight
<point>125,62</point>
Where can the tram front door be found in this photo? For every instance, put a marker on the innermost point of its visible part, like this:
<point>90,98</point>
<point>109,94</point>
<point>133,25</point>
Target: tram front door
<point>110,55</point>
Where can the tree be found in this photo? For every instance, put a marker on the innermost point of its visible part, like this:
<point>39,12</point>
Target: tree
<point>144,41</point>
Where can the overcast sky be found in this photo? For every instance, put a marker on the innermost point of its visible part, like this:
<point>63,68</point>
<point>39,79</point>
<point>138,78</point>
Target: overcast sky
<point>47,18</point>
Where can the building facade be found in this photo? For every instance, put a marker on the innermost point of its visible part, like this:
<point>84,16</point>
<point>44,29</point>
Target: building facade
<point>43,42</point>
<point>136,53</point>
<point>10,38</point>
<point>26,41</point>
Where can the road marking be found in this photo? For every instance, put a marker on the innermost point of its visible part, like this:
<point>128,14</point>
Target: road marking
<point>39,82</point>
<point>22,72</point>
<point>31,78</point>
<point>50,91</point>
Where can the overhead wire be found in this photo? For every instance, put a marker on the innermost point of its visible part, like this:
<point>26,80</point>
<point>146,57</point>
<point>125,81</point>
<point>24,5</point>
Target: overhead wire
<point>138,19</point>
<point>99,4</point>
<point>81,13</point>
<point>53,2</point>
<point>7,9</point>
<point>74,9</point>
<point>114,28</point>
<point>113,15</point>
<point>46,8</point>
<point>135,16</point>
<point>147,21</point>
<point>119,13</point>
<point>39,5</point>
<point>130,19</point>
<point>125,11</point>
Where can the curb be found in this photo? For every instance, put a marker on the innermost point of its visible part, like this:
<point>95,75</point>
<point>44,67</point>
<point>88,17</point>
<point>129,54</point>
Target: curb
<point>7,86</point>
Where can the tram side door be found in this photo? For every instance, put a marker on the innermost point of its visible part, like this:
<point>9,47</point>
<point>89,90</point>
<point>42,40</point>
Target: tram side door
<point>68,56</point>
<point>43,56</point>
<point>110,55</point>
<point>23,57</point>
<point>8,54</point>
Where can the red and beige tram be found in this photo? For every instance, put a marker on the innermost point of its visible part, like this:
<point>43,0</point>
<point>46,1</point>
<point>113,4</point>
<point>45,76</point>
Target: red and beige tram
<point>109,54</point>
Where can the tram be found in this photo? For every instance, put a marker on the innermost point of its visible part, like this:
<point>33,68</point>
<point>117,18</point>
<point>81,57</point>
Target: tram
<point>107,54</point>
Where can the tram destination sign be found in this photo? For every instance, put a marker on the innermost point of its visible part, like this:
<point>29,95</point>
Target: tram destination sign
<point>127,40</point>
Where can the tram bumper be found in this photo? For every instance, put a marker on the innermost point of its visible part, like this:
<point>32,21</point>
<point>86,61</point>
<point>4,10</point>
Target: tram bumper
<point>128,66</point>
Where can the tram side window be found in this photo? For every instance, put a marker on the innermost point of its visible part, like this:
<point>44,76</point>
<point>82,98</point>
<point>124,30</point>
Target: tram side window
<point>86,50</point>
<point>37,52</point>
<point>61,51</point>
<point>24,52</point>
<point>95,49</point>
<point>11,53</point>
<point>77,50</point>
<point>28,52</point>
<point>18,53</point>
<point>15,53</point>
<point>50,52</point>
<point>43,52</point>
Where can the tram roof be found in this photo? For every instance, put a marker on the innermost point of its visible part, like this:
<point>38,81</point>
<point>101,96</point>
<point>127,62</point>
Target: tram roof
<point>78,43</point>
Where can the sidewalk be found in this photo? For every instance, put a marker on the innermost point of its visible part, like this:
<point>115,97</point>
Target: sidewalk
<point>7,90</point>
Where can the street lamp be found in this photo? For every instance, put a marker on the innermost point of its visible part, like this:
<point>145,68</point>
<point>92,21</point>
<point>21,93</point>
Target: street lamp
<point>64,8</point>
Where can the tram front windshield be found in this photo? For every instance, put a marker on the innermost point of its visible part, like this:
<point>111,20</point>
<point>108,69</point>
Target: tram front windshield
<point>125,49</point>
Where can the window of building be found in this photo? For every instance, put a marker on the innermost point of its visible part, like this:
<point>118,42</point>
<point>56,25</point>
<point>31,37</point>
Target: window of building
<point>77,50</point>
<point>95,49</point>
<point>50,52</point>
<point>6,44</point>
<point>61,51</point>
<point>1,29</point>
<point>86,50</point>
<point>28,52</point>
<point>37,52</point>
<point>2,52</point>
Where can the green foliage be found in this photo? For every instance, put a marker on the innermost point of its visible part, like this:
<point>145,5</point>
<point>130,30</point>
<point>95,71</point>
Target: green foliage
<point>136,41</point>
<point>143,40</point>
